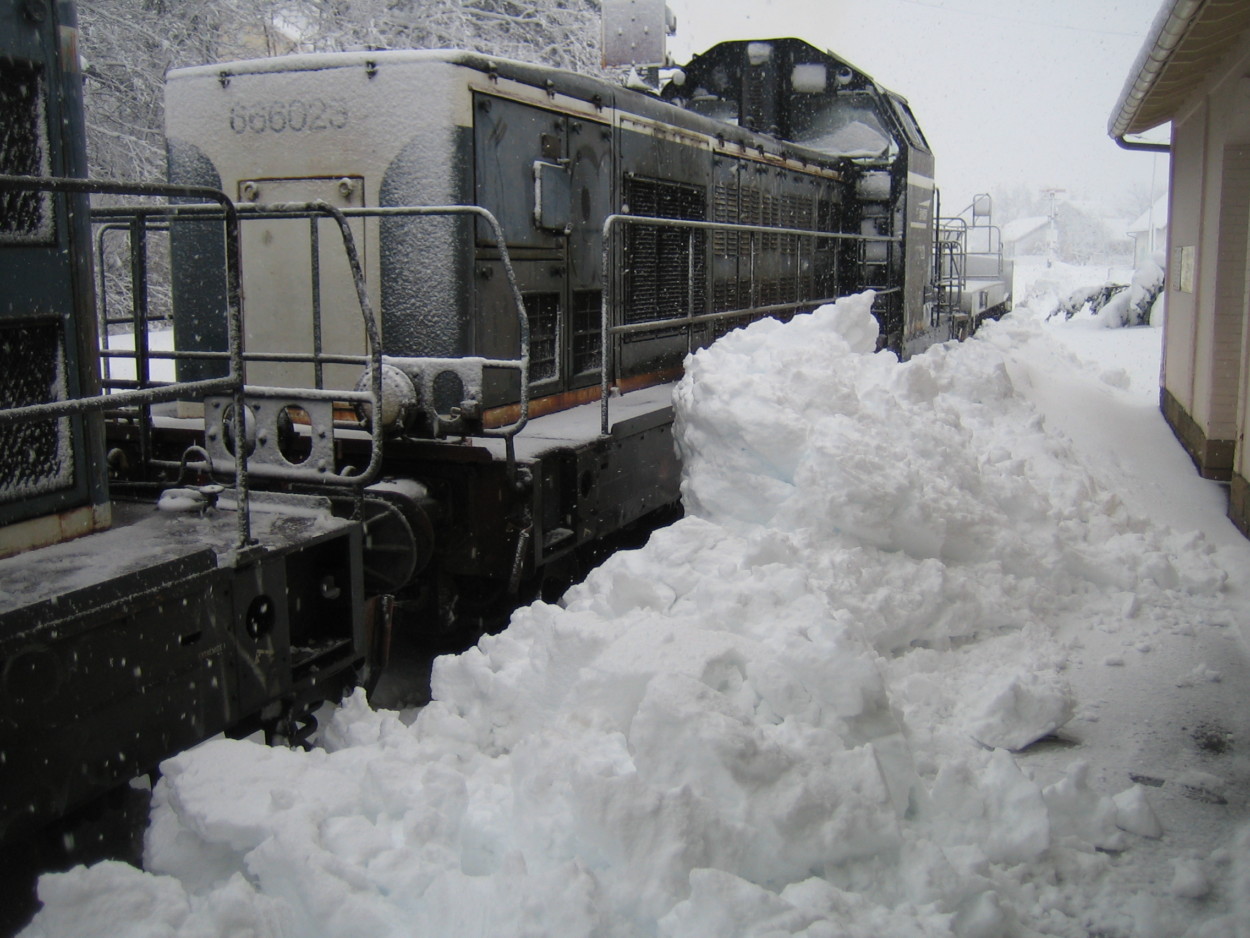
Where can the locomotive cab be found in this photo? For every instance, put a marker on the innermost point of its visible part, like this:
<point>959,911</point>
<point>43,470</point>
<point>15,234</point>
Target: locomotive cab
<point>790,90</point>
<point>47,338</point>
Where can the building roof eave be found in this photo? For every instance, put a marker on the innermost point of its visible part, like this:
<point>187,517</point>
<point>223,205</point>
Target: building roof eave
<point>1186,41</point>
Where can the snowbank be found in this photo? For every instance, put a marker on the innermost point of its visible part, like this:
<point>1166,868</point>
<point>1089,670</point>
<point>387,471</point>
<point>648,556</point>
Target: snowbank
<point>805,709</point>
<point>1113,303</point>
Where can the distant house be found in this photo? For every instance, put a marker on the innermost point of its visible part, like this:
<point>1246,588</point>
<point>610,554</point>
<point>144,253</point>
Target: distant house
<point>1149,231</point>
<point>1075,232</point>
<point>1024,236</point>
<point>1194,71</point>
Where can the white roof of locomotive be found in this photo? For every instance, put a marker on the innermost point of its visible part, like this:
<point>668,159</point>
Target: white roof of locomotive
<point>322,61</point>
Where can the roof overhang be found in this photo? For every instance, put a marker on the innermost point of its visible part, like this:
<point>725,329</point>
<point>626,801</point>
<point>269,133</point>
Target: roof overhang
<point>1187,42</point>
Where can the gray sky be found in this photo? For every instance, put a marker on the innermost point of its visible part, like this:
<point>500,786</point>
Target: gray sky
<point>1007,91</point>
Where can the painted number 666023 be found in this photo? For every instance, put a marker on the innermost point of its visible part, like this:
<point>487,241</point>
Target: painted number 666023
<point>298,115</point>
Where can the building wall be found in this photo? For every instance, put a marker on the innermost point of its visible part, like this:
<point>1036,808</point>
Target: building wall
<point>1180,328</point>
<point>1239,484</point>
<point>1209,223</point>
<point>1228,299</point>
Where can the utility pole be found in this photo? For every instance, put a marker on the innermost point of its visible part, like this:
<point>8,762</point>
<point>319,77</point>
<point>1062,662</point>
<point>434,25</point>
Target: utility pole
<point>1052,193</point>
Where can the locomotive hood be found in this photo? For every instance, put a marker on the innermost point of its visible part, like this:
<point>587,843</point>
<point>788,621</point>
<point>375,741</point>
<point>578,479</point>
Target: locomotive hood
<point>789,89</point>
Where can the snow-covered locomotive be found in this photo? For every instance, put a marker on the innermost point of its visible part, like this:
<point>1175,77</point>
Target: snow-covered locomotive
<point>128,633</point>
<point>526,349</point>
<point>426,311</point>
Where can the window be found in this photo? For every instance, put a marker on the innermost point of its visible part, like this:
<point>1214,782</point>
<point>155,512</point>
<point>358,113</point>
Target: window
<point>846,124</point>
<point>910,127</point>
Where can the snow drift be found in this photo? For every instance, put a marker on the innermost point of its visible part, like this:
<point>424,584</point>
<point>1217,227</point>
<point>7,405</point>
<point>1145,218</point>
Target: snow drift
<point>795,712</point>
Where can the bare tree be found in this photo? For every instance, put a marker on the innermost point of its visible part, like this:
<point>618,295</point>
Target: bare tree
<point>128,46</point>
<point>563,33</point>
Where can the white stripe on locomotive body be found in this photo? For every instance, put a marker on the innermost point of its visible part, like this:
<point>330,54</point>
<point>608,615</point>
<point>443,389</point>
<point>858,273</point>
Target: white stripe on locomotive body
<point>278,106</point>
<point>295,126</point>
<point>436,90</point>
<point>924,182</point>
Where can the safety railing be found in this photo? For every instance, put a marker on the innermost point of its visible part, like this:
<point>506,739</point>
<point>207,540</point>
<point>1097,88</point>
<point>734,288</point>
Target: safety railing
<point>611,303</point>
<point>949,265</point>
<point>319,403</point>
<point>230,385</point>
<point>225,436</point>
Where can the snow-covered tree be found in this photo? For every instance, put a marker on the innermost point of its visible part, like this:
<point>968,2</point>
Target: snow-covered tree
<point>128,45</point>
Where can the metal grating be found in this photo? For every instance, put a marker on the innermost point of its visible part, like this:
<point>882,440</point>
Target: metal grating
<point>587,310</point>
<point>32,371</point>
<point>543,312</point>
<point>659,283</point>
<point>25,217</point>
<point>725,210</point>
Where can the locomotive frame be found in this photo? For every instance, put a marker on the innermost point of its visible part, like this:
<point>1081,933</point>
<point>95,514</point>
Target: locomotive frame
<point>638,229</point>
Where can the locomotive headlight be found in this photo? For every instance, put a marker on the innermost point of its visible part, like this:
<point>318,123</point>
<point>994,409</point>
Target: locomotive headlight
<point>399,398</point>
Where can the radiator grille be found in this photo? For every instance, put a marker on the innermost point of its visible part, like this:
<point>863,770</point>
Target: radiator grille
<point>32,371</point>
<point>659,282</point>
<point>543,312</point>
<point>587,310</point>
<point>25,217</point>
<point>725,211</point>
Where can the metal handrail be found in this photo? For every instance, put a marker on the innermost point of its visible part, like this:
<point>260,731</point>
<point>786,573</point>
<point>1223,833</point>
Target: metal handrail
<point>232,383</point>
<point>138,219</point>
<point>520,364</point>
<point>607,303</point>
<point>289,210</point>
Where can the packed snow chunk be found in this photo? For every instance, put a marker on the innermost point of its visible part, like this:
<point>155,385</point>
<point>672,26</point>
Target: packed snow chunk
<point>982,917</point>
<point>116,900</point>
<point>1020,709</point>
<point>723,904</point>
<point>355,723</point>
<point>1134,814</point>
<point>988,804</point>
<point>847,318</point>
<point>1079,812</point>
<point>109,892</point>
<point>744,409</point>
<point>1019,821</point>
<point>1189,880</point>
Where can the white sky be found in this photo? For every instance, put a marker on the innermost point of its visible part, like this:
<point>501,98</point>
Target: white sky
<point>1007,91</point>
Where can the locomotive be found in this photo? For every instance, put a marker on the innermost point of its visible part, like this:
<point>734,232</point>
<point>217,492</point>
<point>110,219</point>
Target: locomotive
<point>425,310</point>
<point>619,230</point>
<point>128,631</point>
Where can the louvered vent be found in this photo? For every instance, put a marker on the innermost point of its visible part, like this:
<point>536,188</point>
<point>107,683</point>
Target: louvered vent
<point>725,211</point>
<point>543,312</point>
<point>25,217</point>
<point>658,284</point>
<point>32,371</point>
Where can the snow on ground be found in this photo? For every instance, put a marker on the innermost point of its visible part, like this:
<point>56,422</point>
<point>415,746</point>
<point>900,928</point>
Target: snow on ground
<point>805,709</point>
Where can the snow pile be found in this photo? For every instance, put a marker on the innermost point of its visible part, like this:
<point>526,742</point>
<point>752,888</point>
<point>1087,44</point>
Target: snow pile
<point>1115,304</point>
<point>792,713</point>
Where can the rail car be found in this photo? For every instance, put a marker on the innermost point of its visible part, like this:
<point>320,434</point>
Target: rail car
<point>139,616</point>
<point>527,348</point>
<point>391,350</point>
